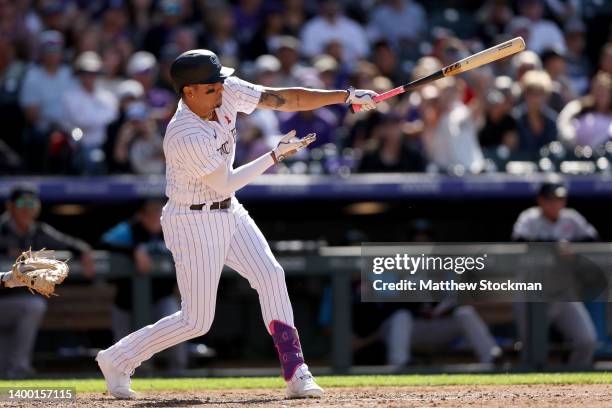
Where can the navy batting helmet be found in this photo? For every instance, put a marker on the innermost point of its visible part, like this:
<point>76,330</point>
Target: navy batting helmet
<point>197,67</point>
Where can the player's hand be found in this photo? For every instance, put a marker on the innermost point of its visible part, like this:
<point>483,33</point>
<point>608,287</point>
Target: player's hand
<point>9,281</point>
<point>88,265</point>
<point>362,97</point>
<point>290,144</point>
<point>143,261</point>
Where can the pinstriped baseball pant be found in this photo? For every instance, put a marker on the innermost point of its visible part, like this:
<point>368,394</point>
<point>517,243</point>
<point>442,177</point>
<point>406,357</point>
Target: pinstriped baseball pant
<point>201,243</point>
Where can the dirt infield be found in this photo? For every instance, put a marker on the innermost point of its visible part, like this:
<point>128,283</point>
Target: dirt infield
<point>514,396</point>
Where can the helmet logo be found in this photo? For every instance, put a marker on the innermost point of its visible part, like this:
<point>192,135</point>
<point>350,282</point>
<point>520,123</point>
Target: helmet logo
<point>215,61</point>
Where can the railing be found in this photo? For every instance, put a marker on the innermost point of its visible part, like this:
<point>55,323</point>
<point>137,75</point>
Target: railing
<point>287,187</point>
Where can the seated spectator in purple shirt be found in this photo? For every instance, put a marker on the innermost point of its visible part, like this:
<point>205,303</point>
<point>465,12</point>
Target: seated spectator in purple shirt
<point>588,121</point>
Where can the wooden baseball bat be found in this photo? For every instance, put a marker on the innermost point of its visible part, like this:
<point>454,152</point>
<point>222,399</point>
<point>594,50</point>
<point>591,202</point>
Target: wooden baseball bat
<point>473,61</point>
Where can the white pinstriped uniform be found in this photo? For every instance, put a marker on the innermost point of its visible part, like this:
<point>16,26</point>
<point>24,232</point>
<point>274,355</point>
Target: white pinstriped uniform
<point>203,241</point>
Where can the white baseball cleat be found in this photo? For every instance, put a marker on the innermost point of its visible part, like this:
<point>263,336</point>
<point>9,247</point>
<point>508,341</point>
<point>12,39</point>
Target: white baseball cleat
<point>303,385</point>
<point>117,382</point>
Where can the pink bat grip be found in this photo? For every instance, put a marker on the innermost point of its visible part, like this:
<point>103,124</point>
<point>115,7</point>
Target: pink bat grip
<point>382,97</point>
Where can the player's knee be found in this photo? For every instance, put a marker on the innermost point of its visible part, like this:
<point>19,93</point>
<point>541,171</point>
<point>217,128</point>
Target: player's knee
<point>586,340</point>
<point>277,272</point>
<point>465,312</point>
<point>196,326</point>
<point>402,318</point>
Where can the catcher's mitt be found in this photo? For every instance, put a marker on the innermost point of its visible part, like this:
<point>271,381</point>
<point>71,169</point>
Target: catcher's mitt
<point>39,271</point>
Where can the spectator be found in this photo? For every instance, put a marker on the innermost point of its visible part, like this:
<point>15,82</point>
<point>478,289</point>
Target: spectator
<point>141,238</point>
<point>493,18</point>
<point>112,67</point>
<point>564,10</point>
<point>390,150</point>
<point>332,25</point>
<point>247,15</point>
<point>551,221</point>
<point>588,121</point>
<point>267,68</point>
<point>160,34</point>
<point>401,22</point>
<point>12,72</point>
<point>449,131</point>
<point>321,121</point>
<point>499,126</point>
<point>114,25</point>
<point>129,91</point>
<point>542,33</point>
<point>287,52</point>
<point>387,61</point>
<point>91,110</point>
<point>295,16</point>
<point>536,122</point>
<point>578,66</point>
<point>22,312</point>
<point>525,61</point>
<point>41,95</point>
<point>142,66</point>
<point>267,35</point>
<point>553,62</point>
<point>221,39</point>
<point>139,144</point>
<point>184,39</point>
<point>605,59</point>
<point>12,24</point>
<point>329,73</point>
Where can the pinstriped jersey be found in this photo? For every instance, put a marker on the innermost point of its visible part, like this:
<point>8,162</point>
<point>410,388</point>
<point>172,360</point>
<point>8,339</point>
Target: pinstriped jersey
<point>195,147</point>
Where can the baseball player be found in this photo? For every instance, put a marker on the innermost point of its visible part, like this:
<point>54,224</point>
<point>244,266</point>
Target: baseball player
<point>206,227</point>
<point>551,221</point>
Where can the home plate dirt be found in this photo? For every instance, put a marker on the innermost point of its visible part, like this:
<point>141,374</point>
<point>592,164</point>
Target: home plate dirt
<point>513,396</point>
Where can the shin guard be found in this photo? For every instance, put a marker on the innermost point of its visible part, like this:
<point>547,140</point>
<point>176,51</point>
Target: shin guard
<point>288,346</point>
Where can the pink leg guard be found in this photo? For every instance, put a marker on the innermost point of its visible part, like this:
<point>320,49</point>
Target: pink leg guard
<point>288,346</point>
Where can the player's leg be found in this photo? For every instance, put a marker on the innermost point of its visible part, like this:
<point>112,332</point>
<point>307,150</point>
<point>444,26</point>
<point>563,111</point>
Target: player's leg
<point>250,255</point>
<point>397,335</point>
<point>477,333</point>
<point>199,242</point>
<point>575,324</point>
<point>25,312</point>
<point>464,321</point>
<point>175,356</point>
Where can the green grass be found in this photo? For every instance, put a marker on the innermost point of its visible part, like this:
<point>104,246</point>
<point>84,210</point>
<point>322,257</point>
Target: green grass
<point>194,384</point>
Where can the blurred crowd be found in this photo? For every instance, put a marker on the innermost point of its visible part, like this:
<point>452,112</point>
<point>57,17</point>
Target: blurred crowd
<point>85,88</point>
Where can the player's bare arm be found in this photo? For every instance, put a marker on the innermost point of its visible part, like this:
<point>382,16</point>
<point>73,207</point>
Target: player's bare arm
<point>304,99</point>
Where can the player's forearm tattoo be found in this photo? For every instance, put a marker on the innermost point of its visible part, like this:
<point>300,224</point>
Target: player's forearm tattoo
<point>272,99</point>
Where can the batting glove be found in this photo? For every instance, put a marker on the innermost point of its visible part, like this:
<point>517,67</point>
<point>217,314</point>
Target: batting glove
<point>362,97</point>
<point>290,144</point>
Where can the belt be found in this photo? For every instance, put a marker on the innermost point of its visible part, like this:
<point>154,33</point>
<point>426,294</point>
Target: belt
<point>219,205</point>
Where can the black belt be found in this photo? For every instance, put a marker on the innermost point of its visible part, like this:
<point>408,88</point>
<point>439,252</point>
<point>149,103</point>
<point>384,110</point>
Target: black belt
<point>219,205</point>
